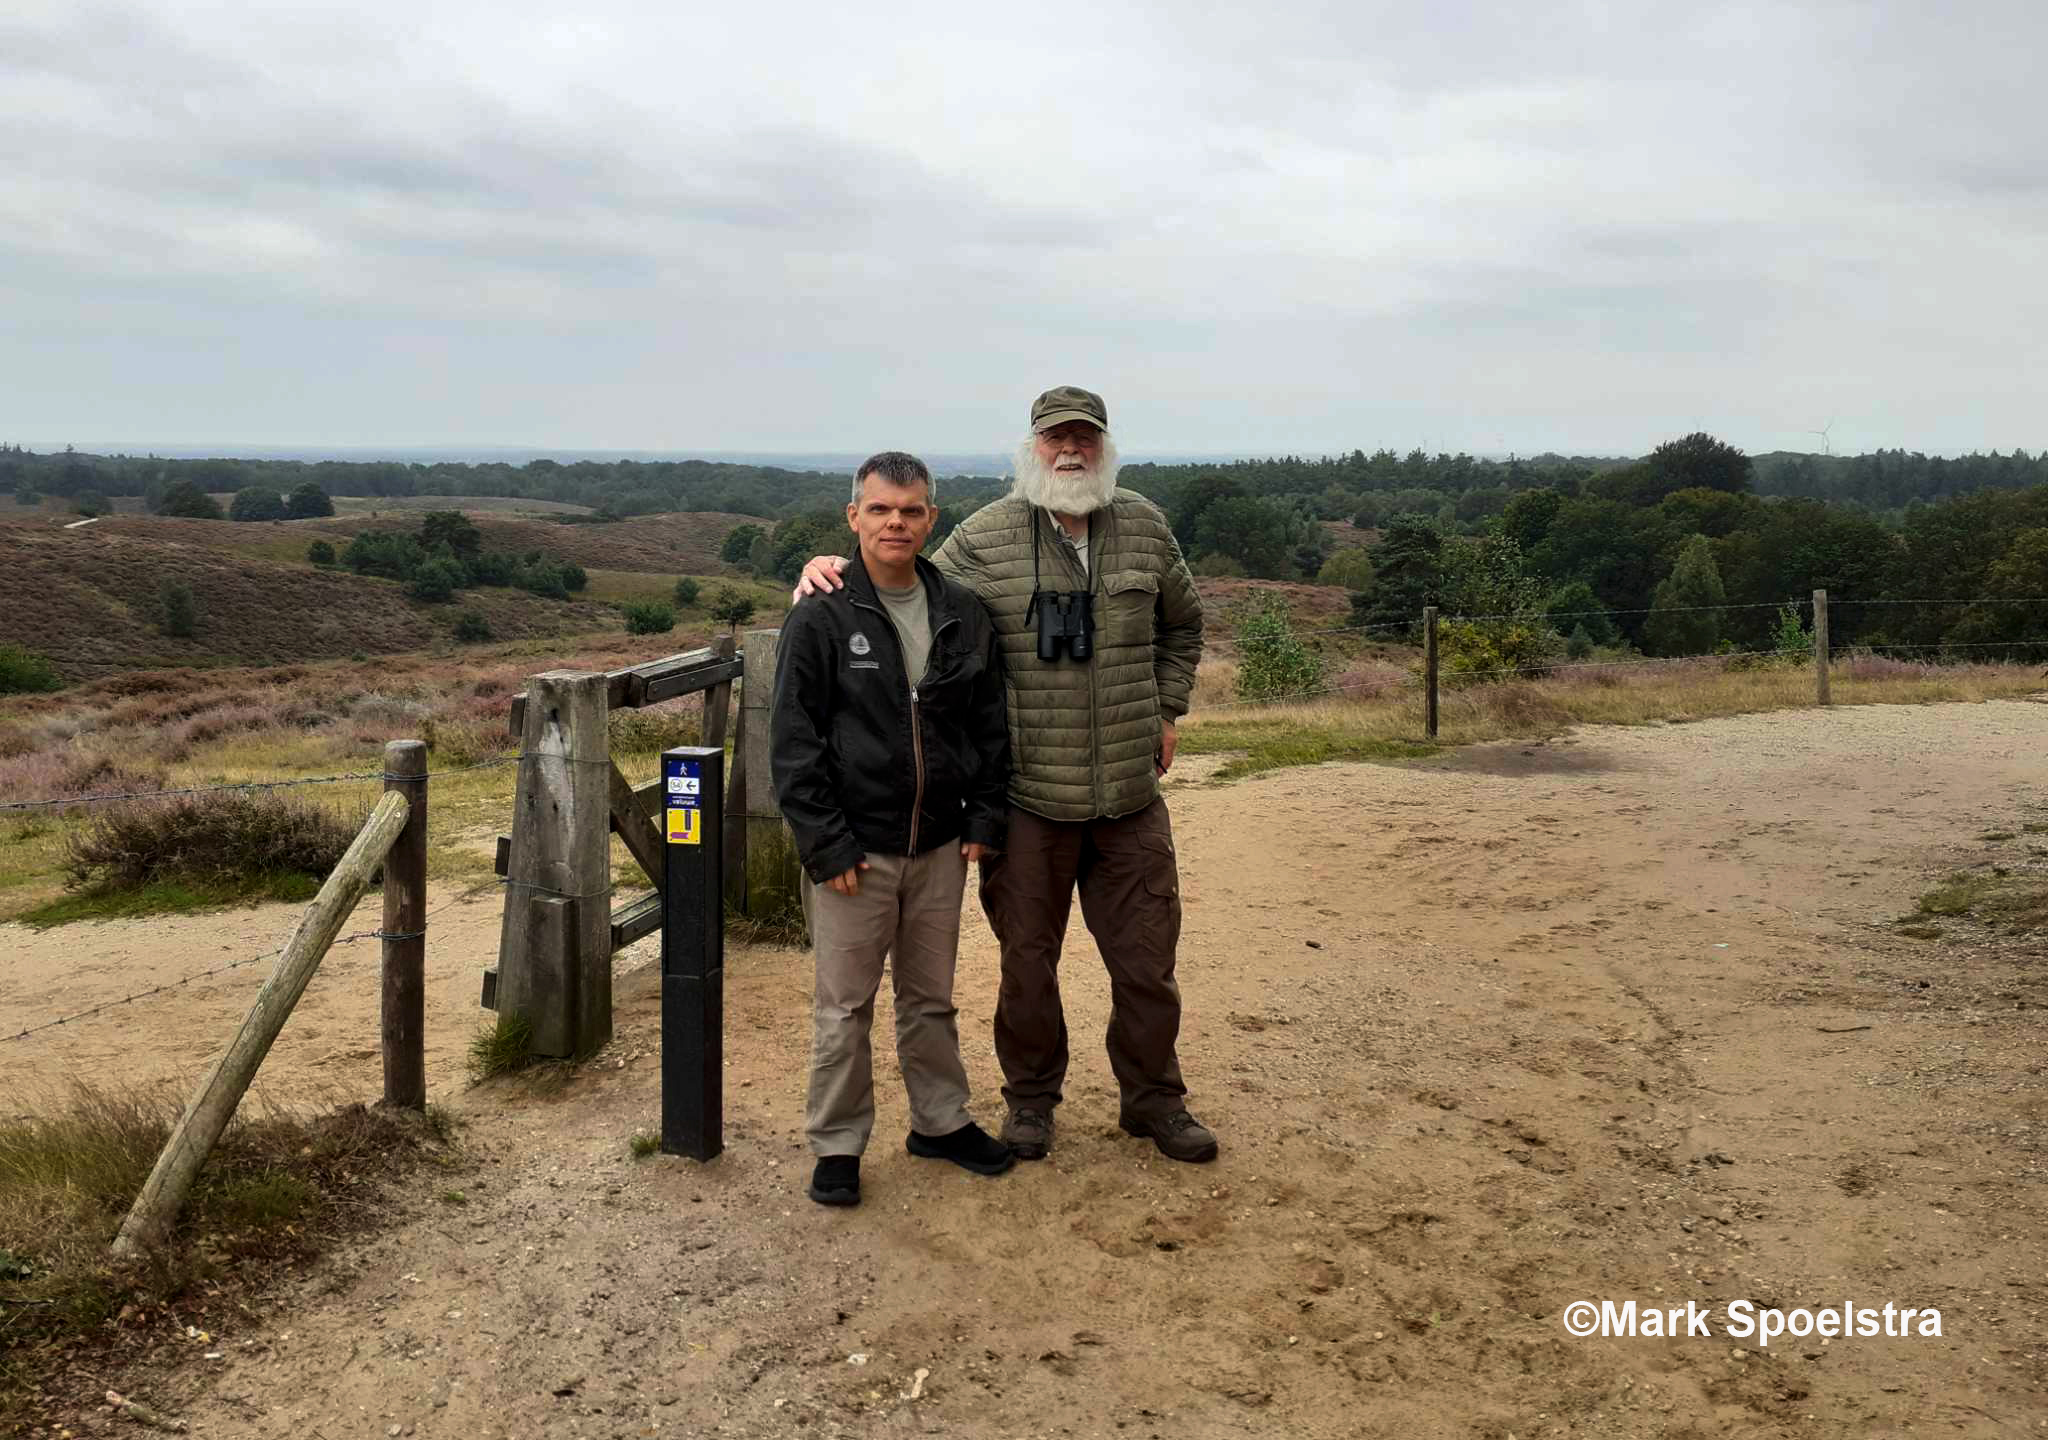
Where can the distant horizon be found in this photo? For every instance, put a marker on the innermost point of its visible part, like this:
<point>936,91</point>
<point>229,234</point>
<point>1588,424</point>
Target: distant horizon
<point>947,462</point>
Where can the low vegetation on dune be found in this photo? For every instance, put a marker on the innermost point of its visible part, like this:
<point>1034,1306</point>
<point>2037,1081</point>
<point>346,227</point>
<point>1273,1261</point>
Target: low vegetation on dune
<point>280,1188</point>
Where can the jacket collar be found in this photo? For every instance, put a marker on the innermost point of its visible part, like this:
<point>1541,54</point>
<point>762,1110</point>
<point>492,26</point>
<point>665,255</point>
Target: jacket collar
<point>861,586</point>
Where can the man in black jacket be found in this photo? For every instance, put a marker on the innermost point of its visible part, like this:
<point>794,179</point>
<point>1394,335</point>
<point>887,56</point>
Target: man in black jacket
<point>891,758</point>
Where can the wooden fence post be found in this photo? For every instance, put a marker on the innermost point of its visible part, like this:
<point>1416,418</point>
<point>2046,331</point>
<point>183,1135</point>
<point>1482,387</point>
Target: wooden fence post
<point>1820,647</point>
<point>561,849</point>
<point>405,932</point>
<point>735,837</point>
<point>1429,669</point>
<point>774,878</point>
<point>718,699</point>
<point>213,1105</point>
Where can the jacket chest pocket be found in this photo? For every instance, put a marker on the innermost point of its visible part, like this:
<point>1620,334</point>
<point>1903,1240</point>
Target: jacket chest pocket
<point>1129,599</point>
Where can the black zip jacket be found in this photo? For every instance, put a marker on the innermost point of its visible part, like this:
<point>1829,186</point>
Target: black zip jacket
<point>868,760</point>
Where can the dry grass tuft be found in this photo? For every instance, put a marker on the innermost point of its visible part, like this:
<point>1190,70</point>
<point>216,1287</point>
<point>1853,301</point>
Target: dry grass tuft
<point>275,1191</point>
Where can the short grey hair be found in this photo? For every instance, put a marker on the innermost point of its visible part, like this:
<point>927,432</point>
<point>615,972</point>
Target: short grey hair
<point>898,467</point>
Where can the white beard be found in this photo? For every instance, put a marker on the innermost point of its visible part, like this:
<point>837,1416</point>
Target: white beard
<point>1070,492</point>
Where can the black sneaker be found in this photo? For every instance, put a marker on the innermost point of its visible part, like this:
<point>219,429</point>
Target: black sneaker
<point>970,1147</point>
<point>1028,1132</point>
<point>1179,1136</point>
<point>836,1181</point>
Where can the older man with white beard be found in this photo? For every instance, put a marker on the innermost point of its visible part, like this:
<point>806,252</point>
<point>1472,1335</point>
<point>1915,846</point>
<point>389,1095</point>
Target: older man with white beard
<point>1101,630</point>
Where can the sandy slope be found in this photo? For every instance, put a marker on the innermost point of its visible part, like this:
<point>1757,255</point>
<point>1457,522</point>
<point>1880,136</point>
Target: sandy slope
<point>1471,1032</point>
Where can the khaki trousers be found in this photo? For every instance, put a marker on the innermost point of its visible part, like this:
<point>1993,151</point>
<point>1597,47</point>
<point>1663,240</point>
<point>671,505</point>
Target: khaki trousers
<point>907,911</point>
<point>1130,898</point>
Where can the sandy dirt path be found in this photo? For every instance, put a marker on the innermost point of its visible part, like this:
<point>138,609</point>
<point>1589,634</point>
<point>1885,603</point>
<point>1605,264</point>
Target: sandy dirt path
<point>1483,1036</point>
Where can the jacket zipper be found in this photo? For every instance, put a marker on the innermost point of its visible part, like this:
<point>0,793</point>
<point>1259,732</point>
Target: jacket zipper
<point>916,727</point>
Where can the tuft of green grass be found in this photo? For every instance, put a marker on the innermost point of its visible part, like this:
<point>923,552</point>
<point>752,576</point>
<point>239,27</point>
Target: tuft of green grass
<point>1996,898</point>
<point>500,1046</point>
<point>1921,932</point>
<point>1996,835</point>
<point>1958,895</point>
<point>169,897</point>
<point>785,929</point>
<point>2035,827</point>
<point>645,1144</point>
<point>454,1197</point>
<point>273,1198</point>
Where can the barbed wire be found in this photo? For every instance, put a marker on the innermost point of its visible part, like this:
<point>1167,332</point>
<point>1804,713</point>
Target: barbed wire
<point>1628,660</point>
<point>1356,686</point>
<point>1651,610</point>
<point>168,986</point>
<point>59,802</point>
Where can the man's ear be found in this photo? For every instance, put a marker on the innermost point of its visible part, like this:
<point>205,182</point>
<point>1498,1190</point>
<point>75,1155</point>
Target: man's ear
<point>853,518</point>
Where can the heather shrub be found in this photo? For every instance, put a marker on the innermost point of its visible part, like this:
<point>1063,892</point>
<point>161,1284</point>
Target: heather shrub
<point>218,839</point>
<point>22,672</point>
<point>65,774</point>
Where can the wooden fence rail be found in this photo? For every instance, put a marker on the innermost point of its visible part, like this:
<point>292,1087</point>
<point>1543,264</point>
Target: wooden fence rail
<point>214,1103</point>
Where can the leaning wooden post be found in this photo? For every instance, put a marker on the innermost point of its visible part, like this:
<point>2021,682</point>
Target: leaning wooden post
<point>1820,647</point>
<point>560,850</point>
<point>774,880</point>
<point>1429,669</point>
<point>213,1104</point>
<point>405,932</point>
<point>718,699</point>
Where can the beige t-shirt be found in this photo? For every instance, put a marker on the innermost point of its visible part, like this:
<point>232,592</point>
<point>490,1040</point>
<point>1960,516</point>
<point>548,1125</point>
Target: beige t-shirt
<point>908,613</point>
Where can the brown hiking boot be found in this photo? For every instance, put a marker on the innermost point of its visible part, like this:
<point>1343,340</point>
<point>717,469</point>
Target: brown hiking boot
<point>1179,1136</point>
<point>1028,1132</point>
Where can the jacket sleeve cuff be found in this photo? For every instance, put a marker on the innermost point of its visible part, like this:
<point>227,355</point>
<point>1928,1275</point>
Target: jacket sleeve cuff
<point>835,859</point>
<point>991,832</point>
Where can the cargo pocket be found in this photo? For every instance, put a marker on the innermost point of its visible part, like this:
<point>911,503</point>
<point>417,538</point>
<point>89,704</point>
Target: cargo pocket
<point>1129,600</point>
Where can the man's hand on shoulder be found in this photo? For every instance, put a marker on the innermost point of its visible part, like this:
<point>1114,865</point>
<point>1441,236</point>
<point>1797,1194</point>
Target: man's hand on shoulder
<point>820,577</point>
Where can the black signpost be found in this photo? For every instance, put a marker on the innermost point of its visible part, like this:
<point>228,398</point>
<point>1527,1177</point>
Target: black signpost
<point>693,953</point>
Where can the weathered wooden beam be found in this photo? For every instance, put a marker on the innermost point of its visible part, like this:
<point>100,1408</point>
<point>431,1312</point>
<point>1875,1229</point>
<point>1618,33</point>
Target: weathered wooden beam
<point>560,849</point>
<point>213,1105</point>
<point>636,920</point>
<point>774,878</point>
<point>718,699</point>
<point>403,1012</point>
<point>654,681</point>
<point>630,824</point>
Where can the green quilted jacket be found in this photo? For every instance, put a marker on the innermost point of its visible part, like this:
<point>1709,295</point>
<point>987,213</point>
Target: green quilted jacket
<point>1083,734</point>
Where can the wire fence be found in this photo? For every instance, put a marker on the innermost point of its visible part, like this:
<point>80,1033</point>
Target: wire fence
<point>170,986</point>
<point>65,802</point>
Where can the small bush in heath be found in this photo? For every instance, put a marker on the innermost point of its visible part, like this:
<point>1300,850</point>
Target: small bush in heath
<point>654,729</point>
<point>650,617</point>
<point>471,628</point>
<point>220,838</point>
<point>22,672</point>
<point>686,592</point>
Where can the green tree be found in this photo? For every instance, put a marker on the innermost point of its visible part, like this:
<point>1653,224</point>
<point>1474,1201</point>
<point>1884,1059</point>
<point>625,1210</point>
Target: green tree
<point>650,617</point>
<point>739,544</point>
<point>1407,574</point>
<point>1573,607</point>
<point>1272,662</point>
<point>1350,567</point>
<point>1528,516</point>
<point>91,504</point>
<point>471,628</point>
<point>453,529</point>
<point>574,577</point>
<point>1680,622</point>
<point>257,502</point>
<point>308,502</point>
<point>437,580</point>
<point>1700,462</point>
<point>186,501</point>
<point>730,607</point>
<point>686,592</point>
<point>178,609</point>
<point>25,493</point>
<point>1193,502</point>
<point>1259,534</point>
<point>320,553</point>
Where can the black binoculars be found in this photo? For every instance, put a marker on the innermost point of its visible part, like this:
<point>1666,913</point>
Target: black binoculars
<point>1066,619</point>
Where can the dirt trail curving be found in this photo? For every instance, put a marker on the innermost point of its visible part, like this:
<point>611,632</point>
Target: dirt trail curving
<point>1483,1036</point>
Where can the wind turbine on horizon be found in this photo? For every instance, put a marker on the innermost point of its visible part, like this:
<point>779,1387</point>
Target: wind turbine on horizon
<point>1825,448</point>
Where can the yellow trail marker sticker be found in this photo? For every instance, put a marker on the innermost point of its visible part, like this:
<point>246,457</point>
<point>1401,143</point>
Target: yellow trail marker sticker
<point>685,827</point>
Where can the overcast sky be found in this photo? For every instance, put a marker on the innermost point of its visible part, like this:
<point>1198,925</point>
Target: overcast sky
<point>1254,227</point>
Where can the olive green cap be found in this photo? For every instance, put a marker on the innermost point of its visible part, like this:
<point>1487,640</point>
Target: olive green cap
<point>1068,402</point>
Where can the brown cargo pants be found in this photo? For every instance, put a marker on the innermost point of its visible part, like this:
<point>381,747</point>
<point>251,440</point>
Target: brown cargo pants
<point>1130,900</point>
<point>907,911</point>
